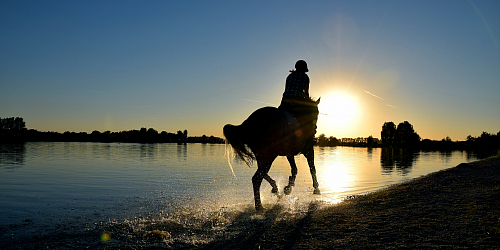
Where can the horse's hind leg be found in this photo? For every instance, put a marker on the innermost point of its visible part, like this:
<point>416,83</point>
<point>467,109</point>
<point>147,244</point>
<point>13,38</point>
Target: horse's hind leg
<point>263,168</point>
<point>291,179</point>
<point>257,181</point>
<point>309,154</point>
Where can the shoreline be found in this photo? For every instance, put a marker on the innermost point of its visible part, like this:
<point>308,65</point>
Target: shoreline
<point>455,208</point>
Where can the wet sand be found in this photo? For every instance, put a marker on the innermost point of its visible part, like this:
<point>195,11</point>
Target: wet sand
<point>458,208</point>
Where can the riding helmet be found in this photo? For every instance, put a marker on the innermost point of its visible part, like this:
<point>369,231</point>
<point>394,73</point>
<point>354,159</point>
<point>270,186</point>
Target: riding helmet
<point>301,66</point>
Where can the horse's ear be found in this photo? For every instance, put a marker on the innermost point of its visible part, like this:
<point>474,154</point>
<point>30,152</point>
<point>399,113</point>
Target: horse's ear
<point>317,101</point>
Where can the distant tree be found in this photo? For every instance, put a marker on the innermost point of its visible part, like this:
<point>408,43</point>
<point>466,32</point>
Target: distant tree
<point>67,136</point>
<point>447,139</point>
<point>213,139</point>
<point>370,141</point>
<point>105,136</point>
<point>406,135</point>
<point>360,141</point>
<point>142,134</point>
<point>333,142</point>
<point>485,145</point>
<point>152,135</point>
<point>12,129</point>
<point>487,140</point>
<point>14,124</point>
<point>322,141</point>
<point>82,136</point>
<point>348,141</point>
<point>182,136</point>
<point>388,133</point>
<point>94,136</point>
<point>164,136</point>
<point>471,138</point>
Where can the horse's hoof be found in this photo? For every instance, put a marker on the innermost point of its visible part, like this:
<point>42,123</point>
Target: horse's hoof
<point>259,208</point>
<point>316,191</point>
<point>287,190</point>
<point>274,190</point>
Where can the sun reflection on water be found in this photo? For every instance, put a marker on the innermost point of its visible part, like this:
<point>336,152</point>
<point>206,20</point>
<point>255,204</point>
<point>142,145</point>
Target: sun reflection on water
<point>335,178</point>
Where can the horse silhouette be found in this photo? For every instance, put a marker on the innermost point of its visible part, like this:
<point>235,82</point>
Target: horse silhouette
<point>270,132</point>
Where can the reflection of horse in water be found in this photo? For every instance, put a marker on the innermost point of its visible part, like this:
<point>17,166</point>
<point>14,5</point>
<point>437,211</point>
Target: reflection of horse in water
<point>271,132</point>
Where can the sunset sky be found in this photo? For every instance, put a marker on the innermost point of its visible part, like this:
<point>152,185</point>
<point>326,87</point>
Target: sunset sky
<point>198,65</point>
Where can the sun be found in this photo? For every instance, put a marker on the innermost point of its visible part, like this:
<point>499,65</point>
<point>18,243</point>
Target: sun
<point>340,111</point>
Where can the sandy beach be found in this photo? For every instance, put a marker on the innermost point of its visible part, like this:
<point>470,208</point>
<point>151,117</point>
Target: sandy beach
<point>457,208</point>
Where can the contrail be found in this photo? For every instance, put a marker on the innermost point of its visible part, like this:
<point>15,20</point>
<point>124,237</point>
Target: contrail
<point>486,24</point>
<point>380,99</point>
<point>374,95</point>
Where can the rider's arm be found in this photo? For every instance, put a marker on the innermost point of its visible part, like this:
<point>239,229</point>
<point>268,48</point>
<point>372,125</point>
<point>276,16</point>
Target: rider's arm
<point>306,87</point>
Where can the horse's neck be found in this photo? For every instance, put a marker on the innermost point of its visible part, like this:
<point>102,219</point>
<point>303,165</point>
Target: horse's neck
<point>292,121</point>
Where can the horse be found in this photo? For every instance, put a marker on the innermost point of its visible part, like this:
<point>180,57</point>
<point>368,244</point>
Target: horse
<point>270,132</point>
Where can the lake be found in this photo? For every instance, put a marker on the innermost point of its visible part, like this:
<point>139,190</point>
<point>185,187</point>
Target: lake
<point>67,195</point>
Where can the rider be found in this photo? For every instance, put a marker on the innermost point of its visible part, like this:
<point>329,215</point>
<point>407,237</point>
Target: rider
<point>297,82</point>
<point>296,98</point>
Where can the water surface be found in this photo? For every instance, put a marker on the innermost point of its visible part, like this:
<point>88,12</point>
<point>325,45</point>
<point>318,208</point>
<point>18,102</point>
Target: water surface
<point>99,195</point>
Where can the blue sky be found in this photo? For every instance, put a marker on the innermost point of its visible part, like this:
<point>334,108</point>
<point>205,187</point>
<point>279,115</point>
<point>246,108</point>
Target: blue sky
<point>175,65</point>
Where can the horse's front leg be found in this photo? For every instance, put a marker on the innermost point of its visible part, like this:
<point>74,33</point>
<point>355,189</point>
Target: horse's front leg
<point>273,184</point>
<point>309,154</point>
<point>291,179</point>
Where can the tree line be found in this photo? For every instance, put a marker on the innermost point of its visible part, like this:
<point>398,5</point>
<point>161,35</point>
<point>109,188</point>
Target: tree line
<point>404,136</point>
<point>14,130</point>
<point>331,141</point>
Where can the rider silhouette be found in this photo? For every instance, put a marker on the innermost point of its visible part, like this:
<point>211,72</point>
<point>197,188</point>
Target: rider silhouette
<point>297,82</point>
<point>296,98</point>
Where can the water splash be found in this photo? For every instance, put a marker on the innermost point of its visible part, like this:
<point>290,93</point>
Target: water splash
<point>193,226</point>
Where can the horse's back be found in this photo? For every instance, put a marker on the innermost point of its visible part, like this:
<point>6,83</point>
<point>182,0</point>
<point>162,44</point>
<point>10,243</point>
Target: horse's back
<point>272,128</point>
<point>270,118</point>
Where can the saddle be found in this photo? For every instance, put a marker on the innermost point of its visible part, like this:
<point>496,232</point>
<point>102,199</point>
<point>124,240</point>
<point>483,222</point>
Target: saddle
<point>304,112</point>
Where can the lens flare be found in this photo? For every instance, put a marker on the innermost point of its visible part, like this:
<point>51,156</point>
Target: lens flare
<point>105,237</point>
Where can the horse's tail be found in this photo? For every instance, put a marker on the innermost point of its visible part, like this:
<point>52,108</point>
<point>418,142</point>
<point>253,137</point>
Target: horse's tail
<point>235,136</point>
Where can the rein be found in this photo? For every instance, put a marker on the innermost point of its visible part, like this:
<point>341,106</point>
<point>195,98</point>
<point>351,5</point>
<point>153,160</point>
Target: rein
<point>308,103</point>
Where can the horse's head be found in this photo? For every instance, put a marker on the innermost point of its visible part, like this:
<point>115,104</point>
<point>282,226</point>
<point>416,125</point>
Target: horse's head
<point>317,113</point>
<point>314,112</point>
<point>317,103</point>
<point>315,106</point>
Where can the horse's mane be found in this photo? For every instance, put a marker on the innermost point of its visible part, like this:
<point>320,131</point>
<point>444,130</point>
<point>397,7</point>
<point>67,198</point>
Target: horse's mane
<point>309,101</point>
<point>312,99</point>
